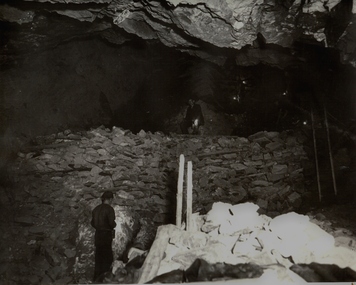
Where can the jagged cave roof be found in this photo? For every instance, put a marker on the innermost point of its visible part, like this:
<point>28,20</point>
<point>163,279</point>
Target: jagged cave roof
<point>191,26</point>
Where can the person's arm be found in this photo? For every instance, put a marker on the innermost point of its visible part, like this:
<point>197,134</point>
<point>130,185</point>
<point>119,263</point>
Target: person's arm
<point>201,117</point>
<point>111,217</point>
<point>92,220</point>
<point>188,115</point>
<point>112,222</point>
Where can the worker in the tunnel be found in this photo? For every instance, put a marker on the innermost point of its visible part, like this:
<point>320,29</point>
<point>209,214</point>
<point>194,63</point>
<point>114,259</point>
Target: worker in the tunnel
<point>194,119</point>
<point>103,220</point>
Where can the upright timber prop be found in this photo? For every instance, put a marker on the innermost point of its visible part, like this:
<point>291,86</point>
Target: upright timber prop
<point>189,195</point>
<point>189,192</point>
<point>180,192</point>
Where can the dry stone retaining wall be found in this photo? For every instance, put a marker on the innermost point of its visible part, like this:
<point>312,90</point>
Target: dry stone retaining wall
<point>142,169</point>
<point>64,175</point>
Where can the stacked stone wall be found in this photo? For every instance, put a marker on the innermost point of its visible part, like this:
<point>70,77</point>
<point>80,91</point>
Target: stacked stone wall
<point>142,169</point>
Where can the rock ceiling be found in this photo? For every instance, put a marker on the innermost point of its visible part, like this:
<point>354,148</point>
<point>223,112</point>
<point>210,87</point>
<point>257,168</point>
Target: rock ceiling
<point>197,27</point>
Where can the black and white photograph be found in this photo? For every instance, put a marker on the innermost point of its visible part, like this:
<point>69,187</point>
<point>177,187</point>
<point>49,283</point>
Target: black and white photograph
<point>177,141</point>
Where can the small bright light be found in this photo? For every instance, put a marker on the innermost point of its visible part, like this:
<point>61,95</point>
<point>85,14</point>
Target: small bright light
<point>236,98</point>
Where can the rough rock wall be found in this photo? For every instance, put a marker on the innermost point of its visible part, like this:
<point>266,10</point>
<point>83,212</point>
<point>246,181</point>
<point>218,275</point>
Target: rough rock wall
<point>235,24</point>
<point>220,23</point>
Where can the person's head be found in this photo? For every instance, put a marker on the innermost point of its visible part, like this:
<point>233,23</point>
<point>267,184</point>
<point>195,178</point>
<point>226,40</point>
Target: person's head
<point>191,102</point>
<point>107,197</point>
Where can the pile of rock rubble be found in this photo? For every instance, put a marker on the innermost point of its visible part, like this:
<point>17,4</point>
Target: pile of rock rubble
<point>237,234</point>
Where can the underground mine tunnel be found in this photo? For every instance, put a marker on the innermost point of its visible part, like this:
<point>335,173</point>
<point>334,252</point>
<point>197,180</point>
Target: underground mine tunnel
<point>93,96</point>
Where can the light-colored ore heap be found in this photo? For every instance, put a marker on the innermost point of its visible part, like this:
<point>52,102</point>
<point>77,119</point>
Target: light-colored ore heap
<point>235,242</point>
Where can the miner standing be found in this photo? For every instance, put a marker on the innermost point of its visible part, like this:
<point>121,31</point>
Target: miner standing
<point>194,118</point>
<point>103,220</point>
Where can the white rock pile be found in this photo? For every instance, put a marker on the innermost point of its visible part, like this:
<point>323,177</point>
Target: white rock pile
<point>237,234</point>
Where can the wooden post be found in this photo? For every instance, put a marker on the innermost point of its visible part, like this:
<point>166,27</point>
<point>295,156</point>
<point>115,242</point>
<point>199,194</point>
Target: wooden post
<point>316,154</point>
<point>189,195</point>
<point>330,152</point>
<point>180,192</point>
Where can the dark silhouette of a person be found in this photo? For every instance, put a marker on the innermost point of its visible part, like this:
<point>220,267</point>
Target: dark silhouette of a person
<point>193,119</point>
<point>103,220</point>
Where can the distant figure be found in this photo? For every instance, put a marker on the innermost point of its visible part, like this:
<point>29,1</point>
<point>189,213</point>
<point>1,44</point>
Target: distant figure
<point>103,220</point>
<point>193,119</point>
